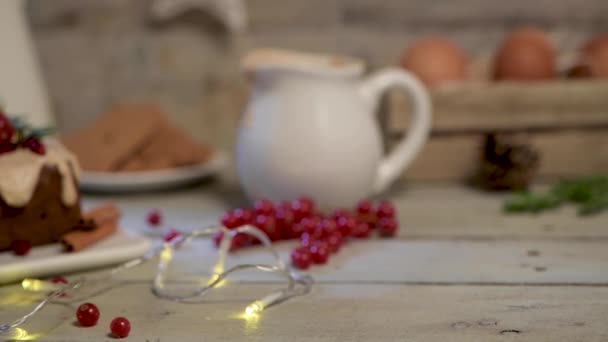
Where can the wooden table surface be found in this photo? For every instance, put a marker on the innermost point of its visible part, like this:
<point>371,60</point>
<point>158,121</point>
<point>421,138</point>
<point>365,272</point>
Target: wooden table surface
<point>459,270</point>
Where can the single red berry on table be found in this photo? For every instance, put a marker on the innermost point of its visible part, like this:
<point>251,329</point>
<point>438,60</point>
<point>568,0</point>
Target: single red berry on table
<point>364,207</point>
<point>361,230</point>
<point>263,207</point>
<point>301,258</point>
<point>34,145</point>
<point>120,327</point>
<point>154,218</point>
<point>59,280</point>
<point>319,252</point>
<point>268,225</point>
<point>346,225</point>
<point>21,247</point>
<point>385,209</point>
<point>217,238</point>
<point>303,207</point>
<point>87,314</point>
<point>334,242</point>
<point>171,234</point>
<point>388,226</point>
<point>229,220</point>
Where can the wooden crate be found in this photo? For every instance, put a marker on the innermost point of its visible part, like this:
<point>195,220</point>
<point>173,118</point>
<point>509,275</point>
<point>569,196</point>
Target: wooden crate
<point>566,121</point>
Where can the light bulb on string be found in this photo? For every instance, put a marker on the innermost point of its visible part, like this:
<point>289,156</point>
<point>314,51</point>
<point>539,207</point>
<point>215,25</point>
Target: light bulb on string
<point>297,284</point>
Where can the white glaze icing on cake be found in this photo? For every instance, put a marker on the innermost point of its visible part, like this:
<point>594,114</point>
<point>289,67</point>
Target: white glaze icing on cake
<point>20,172</point>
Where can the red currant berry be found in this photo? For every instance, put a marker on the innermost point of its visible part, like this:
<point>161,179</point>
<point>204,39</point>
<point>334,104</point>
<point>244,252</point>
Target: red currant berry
<point>339,213</point>
<point>243,216</point>
<point>154,218</point>
<point>327,227</point>
<point>229,220</point>
<point>268,225</point>
<point>34,145</point>
<point>296,230</point>
<point>120,327</point>
<point>309,224</point>
<point>87,314</point>
<point>240,241</point>
<point>285,221</point>
<point>7,133</point>
<point>171,235</point>
<point>361,230</point>
<point>301,258</point>
<point>364,207</point>
<point>303,207</point>
<point>319,252</point>
<point>388,226</point>
<point>217,238</point>
<point>59,280</point>
<point>334,242</point>
<point>385,209</point>
<point>263,207</point>
<point>21,247</point>
<point>346,225</point>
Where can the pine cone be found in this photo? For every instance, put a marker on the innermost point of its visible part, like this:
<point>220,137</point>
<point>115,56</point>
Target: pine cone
<point>506,163</point>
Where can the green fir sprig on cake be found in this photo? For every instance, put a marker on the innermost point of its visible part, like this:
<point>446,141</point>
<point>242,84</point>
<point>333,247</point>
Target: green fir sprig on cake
<point>17,133</point>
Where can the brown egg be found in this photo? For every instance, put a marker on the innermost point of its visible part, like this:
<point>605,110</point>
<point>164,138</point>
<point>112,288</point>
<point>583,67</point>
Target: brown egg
<point>595,54</point>
<point>435,61</point>
<point>525,55</point>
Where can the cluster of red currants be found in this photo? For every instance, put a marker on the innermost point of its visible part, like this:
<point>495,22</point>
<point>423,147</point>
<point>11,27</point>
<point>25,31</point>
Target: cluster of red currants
<point>12,137</point>
<point>319,235</point>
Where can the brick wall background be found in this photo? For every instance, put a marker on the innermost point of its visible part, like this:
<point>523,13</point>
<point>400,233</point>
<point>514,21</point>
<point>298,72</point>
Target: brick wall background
<point>99,52</point>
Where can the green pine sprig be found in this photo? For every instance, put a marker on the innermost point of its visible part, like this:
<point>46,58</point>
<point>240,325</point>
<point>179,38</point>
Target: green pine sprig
<point>589,193</point>
<point>25,131</point>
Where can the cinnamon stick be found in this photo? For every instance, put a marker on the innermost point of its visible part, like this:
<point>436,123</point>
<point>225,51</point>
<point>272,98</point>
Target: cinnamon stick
<point>78,240</point>
<point>103,214</point>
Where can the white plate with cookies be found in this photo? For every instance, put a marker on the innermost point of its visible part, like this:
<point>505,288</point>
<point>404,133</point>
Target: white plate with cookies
<point>136,147</point>
<point>164,179</point>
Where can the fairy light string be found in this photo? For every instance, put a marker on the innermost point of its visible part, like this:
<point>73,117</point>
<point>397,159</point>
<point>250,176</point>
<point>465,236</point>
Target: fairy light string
<point>297,284</point>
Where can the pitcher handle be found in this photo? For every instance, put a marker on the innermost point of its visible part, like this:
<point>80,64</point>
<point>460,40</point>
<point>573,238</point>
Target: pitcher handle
<point>403,154</point>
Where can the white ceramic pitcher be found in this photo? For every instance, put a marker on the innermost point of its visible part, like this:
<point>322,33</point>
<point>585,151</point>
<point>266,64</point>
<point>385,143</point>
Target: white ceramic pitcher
<point>309,128</point>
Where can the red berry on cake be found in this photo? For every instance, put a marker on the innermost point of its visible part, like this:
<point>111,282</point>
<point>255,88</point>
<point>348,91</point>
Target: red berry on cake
<point>21,247</point>
<point>34,145</point>
<point>87,314</point>
<point>7,133</point>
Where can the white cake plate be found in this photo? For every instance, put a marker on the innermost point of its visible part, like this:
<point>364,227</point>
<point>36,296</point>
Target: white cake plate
<point>124,182</point>
<point>51,260</point>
